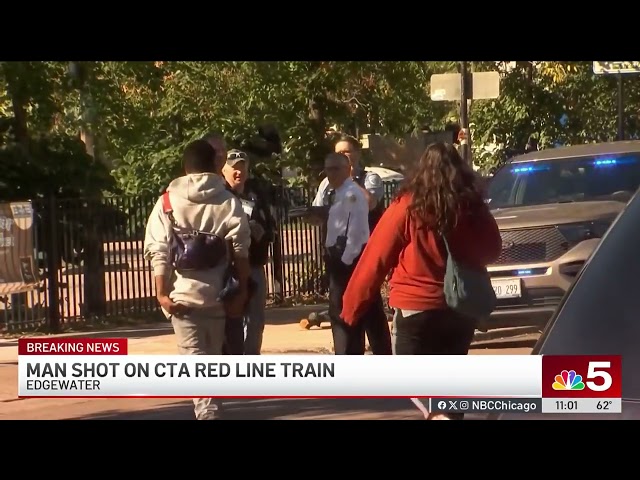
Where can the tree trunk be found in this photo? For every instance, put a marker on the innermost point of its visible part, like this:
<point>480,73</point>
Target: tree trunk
<point>95,294</point>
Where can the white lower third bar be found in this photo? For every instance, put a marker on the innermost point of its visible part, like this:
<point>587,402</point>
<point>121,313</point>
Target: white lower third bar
<point>581,405</point>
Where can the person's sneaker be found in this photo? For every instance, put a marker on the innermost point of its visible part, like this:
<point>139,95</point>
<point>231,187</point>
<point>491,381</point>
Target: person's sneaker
<point>208,417</point>
<point>214,412</point>
<point>440,416</point>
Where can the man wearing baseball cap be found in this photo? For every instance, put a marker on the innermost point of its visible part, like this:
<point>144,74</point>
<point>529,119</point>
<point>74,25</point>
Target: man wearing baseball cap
<point>246,337</point>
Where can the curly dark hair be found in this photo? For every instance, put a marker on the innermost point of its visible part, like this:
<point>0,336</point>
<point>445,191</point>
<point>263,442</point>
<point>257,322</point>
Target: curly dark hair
<point>442,183</point>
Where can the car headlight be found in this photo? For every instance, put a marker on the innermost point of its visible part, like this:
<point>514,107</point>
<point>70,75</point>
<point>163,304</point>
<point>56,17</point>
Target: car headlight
<point>579,232</point>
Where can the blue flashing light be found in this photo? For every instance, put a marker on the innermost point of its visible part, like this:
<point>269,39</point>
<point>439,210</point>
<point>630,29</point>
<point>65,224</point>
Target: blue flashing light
<point>605,162</point>
<point>524,272</point>
<point>527,169</point>
<point>613,162</point>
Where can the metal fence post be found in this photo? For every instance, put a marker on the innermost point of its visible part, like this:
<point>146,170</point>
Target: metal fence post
<point>53,262</point>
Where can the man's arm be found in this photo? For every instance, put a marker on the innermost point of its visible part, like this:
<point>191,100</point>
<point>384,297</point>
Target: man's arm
<point>319,200</point>
<point>239,235</point>
<point>157,250</point>
<point>374,189</point>
<point>357,211</point>
<point>379,257</point>
<point>316,218</point>
<point>270,219</point>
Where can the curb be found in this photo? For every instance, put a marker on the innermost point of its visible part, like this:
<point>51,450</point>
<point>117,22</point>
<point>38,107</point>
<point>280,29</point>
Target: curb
<point>500,333</point>
<point>299,351</point>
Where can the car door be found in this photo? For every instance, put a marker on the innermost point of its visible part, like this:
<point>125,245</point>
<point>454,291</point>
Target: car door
<point>600,314</point>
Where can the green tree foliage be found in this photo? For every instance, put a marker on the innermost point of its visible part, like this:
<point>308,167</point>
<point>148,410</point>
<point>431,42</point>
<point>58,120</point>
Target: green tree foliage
<point>144,113</point>
<point>39,151</point>
<point>558,103</point>
<point>304,99</point>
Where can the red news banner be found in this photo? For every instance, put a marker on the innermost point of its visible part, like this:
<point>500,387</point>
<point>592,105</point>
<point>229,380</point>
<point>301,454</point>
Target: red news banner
<point>72,346</point>
<point>582,384</point>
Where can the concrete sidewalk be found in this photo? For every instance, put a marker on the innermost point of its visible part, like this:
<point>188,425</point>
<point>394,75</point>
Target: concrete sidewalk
<point>282,334</point>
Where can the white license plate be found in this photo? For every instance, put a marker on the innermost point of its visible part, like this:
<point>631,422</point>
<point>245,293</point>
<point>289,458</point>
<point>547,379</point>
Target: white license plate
<point>507,287</point>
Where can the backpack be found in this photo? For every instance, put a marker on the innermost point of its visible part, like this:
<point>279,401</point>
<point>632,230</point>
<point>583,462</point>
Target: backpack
<point>467,291</point>
<point>193,249</point>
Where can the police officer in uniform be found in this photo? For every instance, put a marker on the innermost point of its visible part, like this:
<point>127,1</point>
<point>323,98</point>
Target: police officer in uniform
<point>262,225</point>
<point>347,235</point>
<point>376,324</point>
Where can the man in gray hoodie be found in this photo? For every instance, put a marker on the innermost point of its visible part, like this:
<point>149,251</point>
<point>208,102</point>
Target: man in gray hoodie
<point>198,201</point>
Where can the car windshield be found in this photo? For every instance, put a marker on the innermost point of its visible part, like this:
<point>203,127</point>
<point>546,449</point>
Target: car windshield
<point>567,180</point>
<point>599,315</point>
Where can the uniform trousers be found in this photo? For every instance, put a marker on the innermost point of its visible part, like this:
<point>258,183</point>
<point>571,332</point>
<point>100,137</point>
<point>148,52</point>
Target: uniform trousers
<point>243,335</point>
<point>350,340</point>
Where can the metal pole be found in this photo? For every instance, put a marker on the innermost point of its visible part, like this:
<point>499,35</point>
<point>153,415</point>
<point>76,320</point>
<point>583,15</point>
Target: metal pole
<point>620,107</point>
<point>464,114</point>
<point>53,263</point>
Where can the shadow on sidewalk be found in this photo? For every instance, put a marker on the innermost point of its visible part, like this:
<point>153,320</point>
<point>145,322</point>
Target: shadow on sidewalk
<point>281,409</point>
<point>132,333</point>
<point>274,316</point>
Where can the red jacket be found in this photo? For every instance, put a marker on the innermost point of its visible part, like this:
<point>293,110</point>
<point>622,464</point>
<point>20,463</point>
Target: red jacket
<point>418,258</point>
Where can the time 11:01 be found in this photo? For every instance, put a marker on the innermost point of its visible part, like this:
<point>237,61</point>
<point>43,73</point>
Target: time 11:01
<point>567,405</point>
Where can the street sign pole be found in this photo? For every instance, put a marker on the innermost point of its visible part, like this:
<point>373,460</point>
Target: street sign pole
<point>618,69</point>
<point>464,112</point>
<point>452,87</point>
<point>620,107</point>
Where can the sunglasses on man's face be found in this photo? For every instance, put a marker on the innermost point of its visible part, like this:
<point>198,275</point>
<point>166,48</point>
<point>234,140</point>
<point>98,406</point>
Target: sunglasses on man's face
<point>236,156</point>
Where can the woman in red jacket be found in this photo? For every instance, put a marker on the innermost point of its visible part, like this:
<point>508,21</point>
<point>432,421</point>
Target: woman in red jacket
<point>443,197</point>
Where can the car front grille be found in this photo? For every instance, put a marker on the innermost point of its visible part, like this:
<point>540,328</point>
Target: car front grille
<point>531,245</point>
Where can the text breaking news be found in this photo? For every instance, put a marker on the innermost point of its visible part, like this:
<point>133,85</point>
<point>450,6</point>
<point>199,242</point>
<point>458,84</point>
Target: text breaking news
<point>90,368</point>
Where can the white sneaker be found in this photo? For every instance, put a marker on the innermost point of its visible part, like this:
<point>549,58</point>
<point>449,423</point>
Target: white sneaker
<point>440,416</point>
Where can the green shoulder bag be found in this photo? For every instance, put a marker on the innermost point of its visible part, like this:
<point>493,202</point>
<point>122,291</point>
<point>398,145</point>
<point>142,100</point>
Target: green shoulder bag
<point>468,291</point>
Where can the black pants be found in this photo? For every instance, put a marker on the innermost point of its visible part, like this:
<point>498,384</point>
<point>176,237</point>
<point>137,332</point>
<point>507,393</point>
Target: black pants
<point>434,332</point>
<point>376,327</point>
<point>350,340</point>
<point>234,331</point>
<point>233,336</point>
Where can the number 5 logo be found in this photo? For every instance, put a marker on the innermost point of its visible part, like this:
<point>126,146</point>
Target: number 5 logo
<point>596,370</point>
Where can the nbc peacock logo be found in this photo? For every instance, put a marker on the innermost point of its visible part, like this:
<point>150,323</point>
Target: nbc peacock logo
<point>568,380</point>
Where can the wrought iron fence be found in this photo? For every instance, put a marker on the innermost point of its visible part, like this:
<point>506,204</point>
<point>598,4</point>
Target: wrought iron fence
<point>89,256</point>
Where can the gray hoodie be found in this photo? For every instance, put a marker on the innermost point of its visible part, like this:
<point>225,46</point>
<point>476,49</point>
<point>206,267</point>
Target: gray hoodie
<point>200,202</point>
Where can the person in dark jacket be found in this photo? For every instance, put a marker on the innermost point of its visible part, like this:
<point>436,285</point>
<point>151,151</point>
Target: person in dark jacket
<point>262,224</point>
<point>234,325</point>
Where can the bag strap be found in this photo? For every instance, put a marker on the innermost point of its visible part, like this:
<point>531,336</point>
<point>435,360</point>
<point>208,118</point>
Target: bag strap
<point>446,245</point>
<point>168,211</point>
<point>229,253</point>
<point>167,208</point>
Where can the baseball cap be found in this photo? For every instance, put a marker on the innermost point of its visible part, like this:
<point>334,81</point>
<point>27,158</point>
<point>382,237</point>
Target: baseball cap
<point>234,156</point>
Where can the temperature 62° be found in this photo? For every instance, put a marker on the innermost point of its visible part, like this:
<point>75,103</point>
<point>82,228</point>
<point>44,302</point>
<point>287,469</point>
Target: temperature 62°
<point>603,405</point>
